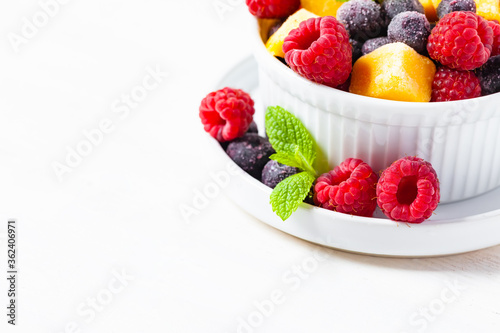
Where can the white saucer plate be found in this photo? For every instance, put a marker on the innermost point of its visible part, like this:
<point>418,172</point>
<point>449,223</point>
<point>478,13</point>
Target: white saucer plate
<point>455,228</point>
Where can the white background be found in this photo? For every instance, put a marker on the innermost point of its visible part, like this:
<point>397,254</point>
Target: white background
<point>118,211</point>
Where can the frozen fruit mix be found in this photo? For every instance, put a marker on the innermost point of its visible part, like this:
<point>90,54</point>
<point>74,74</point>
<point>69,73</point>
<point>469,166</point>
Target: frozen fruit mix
<point>455,34</point>
<point>407,191</point>
<point>406,50</point>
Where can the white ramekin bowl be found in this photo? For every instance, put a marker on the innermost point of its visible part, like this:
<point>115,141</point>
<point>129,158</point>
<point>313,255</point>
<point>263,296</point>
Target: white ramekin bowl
<point>461,139</point>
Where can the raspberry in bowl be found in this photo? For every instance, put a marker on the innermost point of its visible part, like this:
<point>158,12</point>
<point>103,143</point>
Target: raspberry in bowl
<point>391,116</point>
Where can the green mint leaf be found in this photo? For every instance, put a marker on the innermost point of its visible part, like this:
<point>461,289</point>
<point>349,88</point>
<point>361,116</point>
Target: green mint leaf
<point>286,159</point>
<point>289,193</point>
<point>289,136</point>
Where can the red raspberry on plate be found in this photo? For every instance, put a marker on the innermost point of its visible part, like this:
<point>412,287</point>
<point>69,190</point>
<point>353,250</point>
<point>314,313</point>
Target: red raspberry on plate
<point>319,50</point>
<point>452,85</point>
<point>227,113</point>
<point>461,40</point>
<point>408,190</point>
<point>349,188</point>
<point>272,8</point>
<point>495,49</point>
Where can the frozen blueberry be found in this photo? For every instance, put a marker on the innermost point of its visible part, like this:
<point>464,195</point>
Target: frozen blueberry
<point>356,49</point>
<point>448,6</point>
<point>363,19</point>
<point>411,28</point>
<point>275,172</point>
<point>253,128</point>
<point>345,86</point>
<point>374,43</point>
<point>489,76</point>
<point>310,197</point>
<point>394,7</point>
<point>282,60</point>
<point>251,152</point>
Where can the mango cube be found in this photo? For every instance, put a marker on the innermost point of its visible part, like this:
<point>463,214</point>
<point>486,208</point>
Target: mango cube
<point>436,3</point>
<point>430,10</point>
<point>394,71</point>
<point>489,9</point>
<point>264,26</point>
<point>322,7</point>
<point>275,43</point>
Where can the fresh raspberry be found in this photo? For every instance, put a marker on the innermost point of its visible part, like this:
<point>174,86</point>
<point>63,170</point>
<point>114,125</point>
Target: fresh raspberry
<point>227,113</point>
<point>451,85</point>
<point>495,49</point>
<point>461,40</point>
<point>272,8</point>
<point>349,188</point>
<point>408,190</point>
<point>319,50</point>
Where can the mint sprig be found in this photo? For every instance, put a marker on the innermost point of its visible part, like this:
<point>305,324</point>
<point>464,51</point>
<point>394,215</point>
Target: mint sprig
<point>290,192</point>
<point>294,147</point>
<point>290,139</point>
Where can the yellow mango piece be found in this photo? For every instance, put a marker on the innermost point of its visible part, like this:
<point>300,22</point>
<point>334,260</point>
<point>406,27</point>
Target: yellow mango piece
<point>394,71</point>
<point>430,10</point>
<point>489,9</point>
<point>322,7</point>
<point>275,43</point>
<point>436,3</point>
<point>264,26</point>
